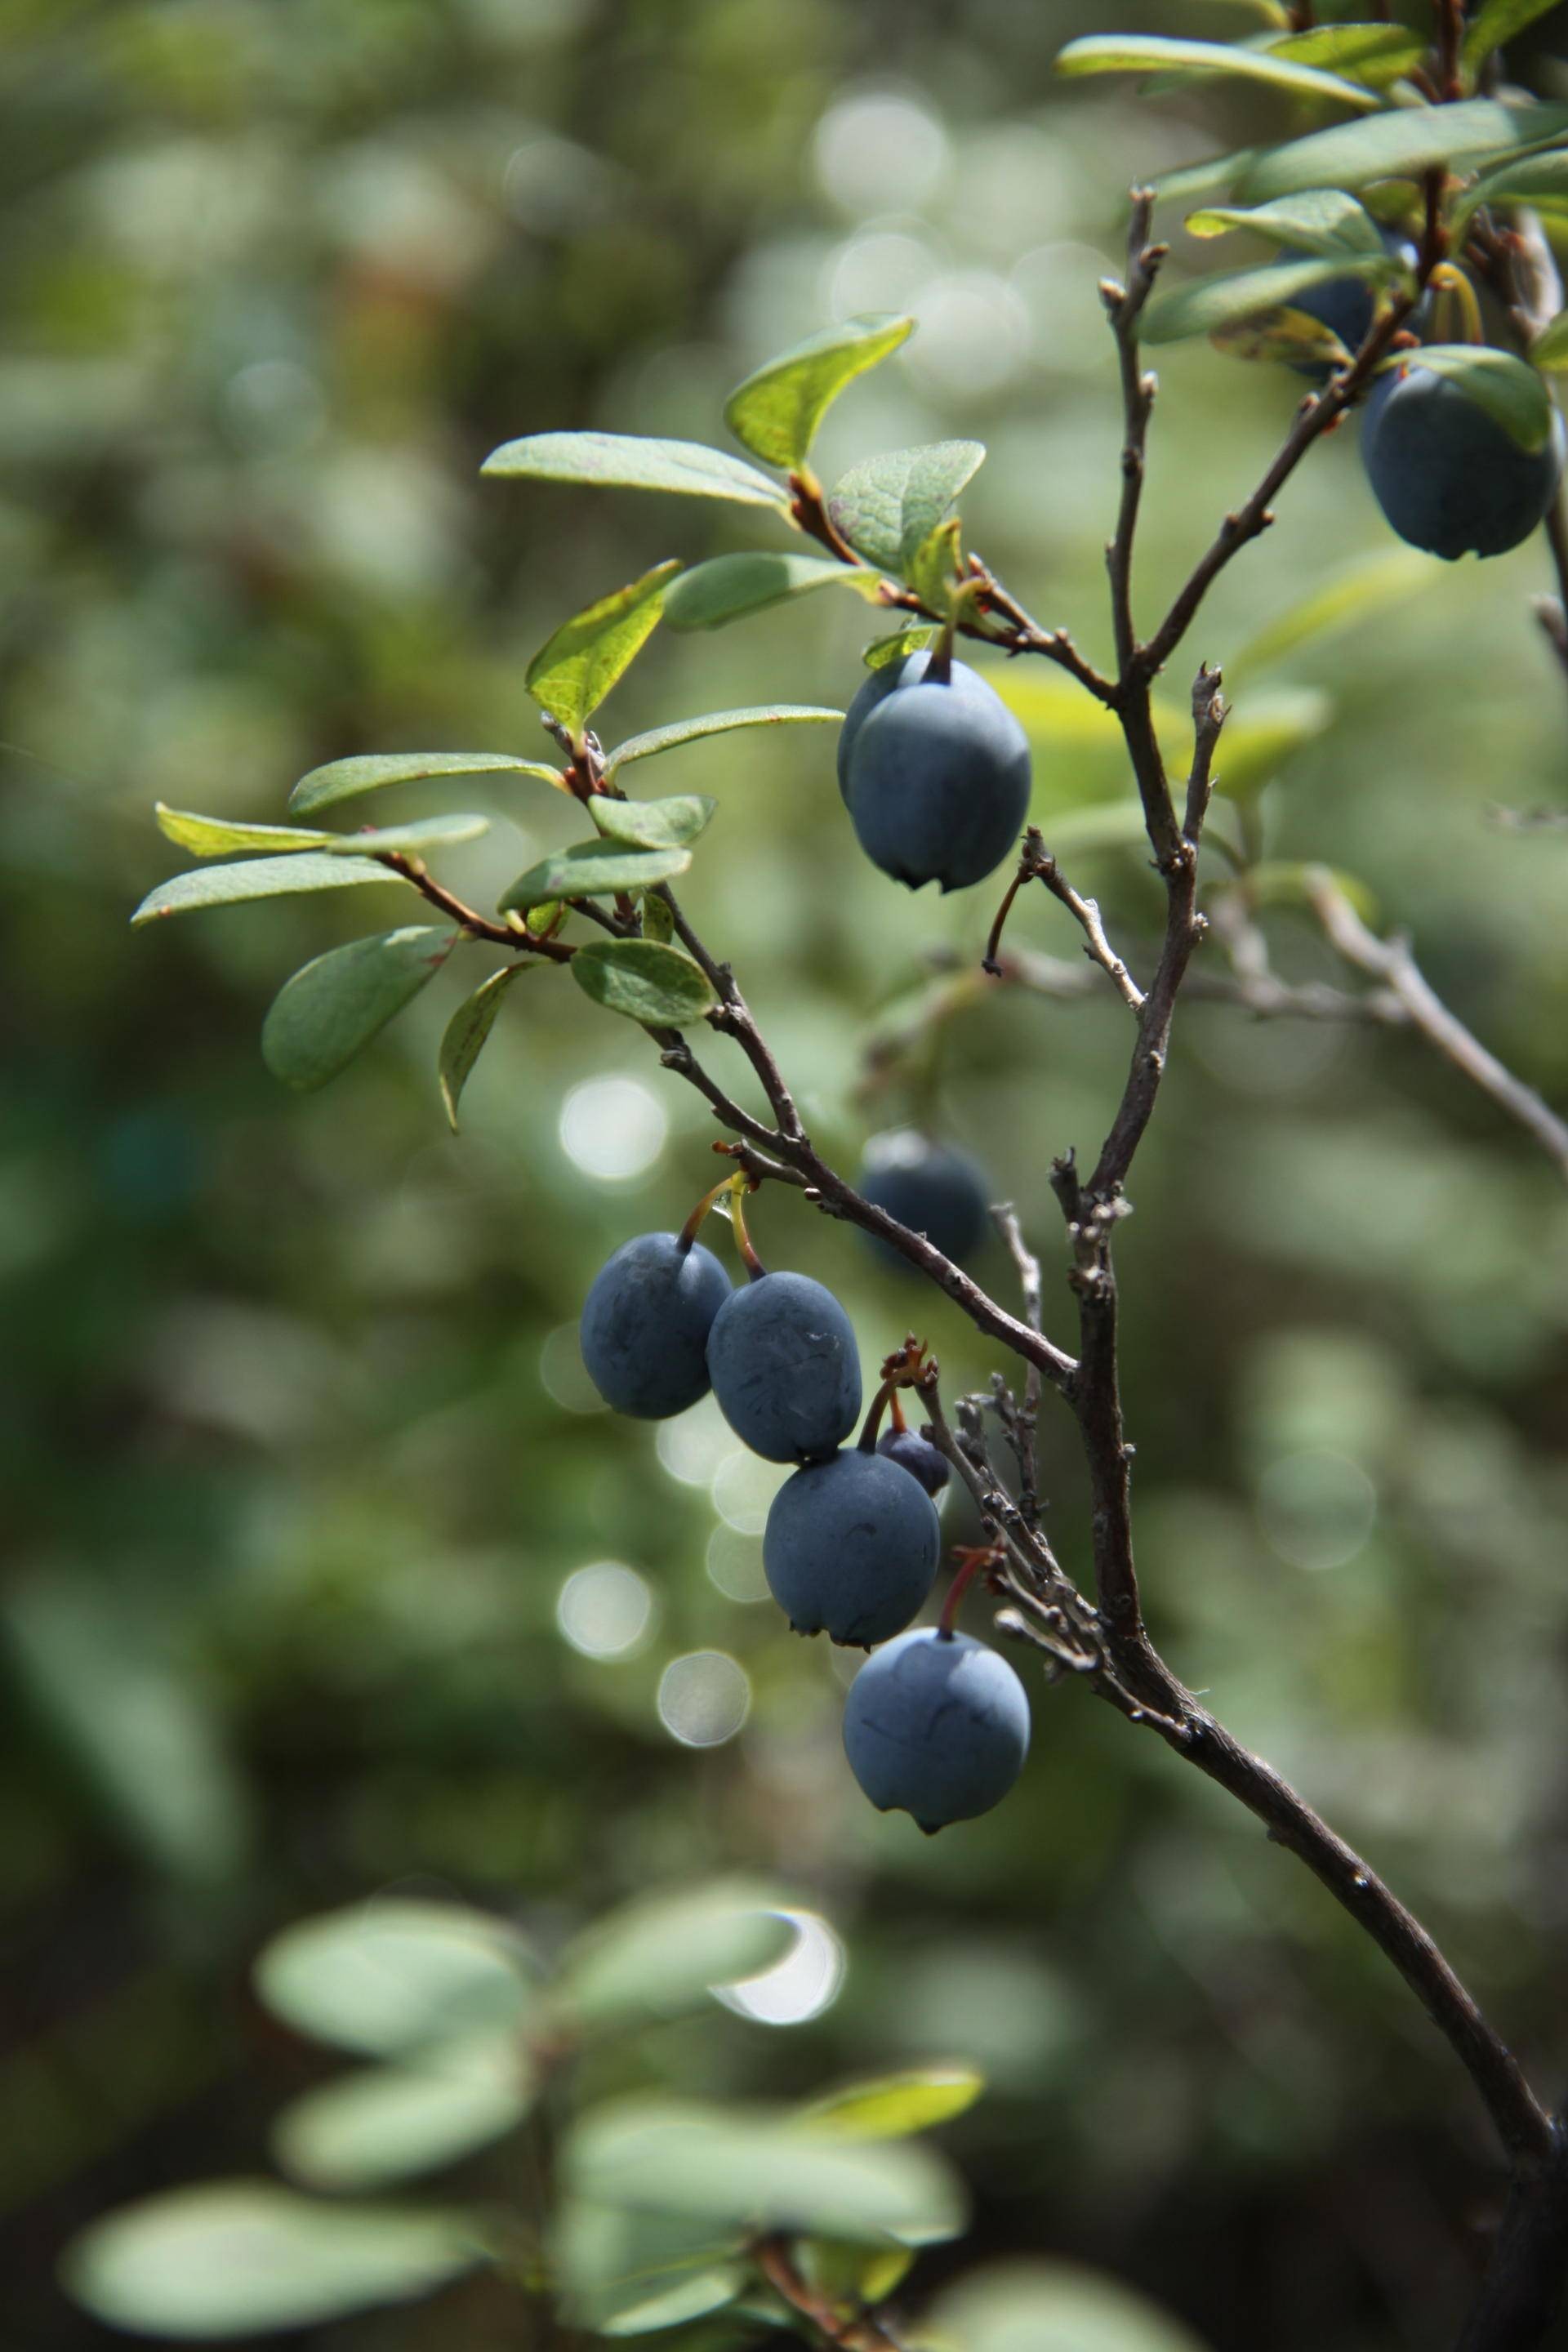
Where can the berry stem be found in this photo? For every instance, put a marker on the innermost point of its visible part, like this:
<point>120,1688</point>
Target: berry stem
<point>738,1186</point>
<point>688,1231</point>
<point>1452,285</point>
<point>896,1414</point>
<point>970,1564</point>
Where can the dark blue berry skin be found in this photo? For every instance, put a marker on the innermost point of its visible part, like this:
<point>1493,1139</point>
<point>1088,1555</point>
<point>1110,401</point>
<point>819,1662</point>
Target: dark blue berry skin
<point>1346,306</point>
<point>916,1455</point>
<point>936,777</point>
<point>1449,477</point>
<point>930,1187</point>
<point>646,1322</point>
<point>851,1548</point>
<point>936,1726</point>
<point>784,1368</point>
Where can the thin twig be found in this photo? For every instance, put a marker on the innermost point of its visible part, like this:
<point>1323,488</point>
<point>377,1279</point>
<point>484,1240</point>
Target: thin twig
<point>477,926</point>
<point>1005,1218</point>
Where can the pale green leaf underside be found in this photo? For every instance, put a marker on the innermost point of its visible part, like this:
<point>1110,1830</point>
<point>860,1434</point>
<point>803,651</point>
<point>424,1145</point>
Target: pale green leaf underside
<point>1401,145</point>
<point>1152,53</point>
<point>653,824</point>
<point>628,461</point>
<point>643,980</point>
<point>570,675</point>
<point>330,1009</point>
<point>624,2273</point>
<point>341,780</point>
<point>1509,389</point>
<point>384,2124</point>
<point>1053,2306</point>
<point>663,1954</point>
<point>1207,303</point>
<point>1320,220</point>
<point>888,506</point>
<point>1189,180</point>
<point>715,722</point>
<point>732,585</point>
<point>591,868</point>
<point>242,2258</point>
<point>776,413</point>
<point>466,1031</point>
<point>258,877</point>
<point>212,836</point>
<point>386,1977</point>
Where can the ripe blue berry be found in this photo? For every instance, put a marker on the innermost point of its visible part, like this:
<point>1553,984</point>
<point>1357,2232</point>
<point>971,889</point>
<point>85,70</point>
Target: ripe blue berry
<point>785,1367</point>
<point>646,1322</point>
<point>937,1726</point>
<point>935,776</point>
<point>851,1548</point>
<point>1448,475</point>
<point>931,1186</point>
<point>916,1455</point>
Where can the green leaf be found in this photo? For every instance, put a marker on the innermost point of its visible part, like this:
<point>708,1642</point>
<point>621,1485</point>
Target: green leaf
<point>1268,728</point>
<point>1288,334</point>
<point>1319,220</point>
<point>1509,389</point>
<point>1369,53</point>
<point>1540,180</point>
<point>664,1954</point>
<point>626,2273</point>
<point>646,981</point>
<point>1550,349</point>
<point>393,2123</point>
<point>716,723</point>
<point>891,2106</point>
<point>732,585</point>
<point>258,877</point>
<point>1494,23</point>
<point>333,1006</point>
<point>1152,53</point>
<point>467,1030</point>
<point>933,569</point>
<point>759,2171</point>
<point>1208,304</point>
<point>571,676</point>
<point>1190,180</point>
<point>653,824</point>
<point>626,461</point>
<point>849,2276</point>
<point>1372,584</point>
<point>888,506</point>
<point>686,2298</point>
<point>386,1977</point>
<point>898,647</point>
<point>776,413</point>
<point>244,2257</point>
<point>1401,145</point>
<point>212,836</point>
<point>342,779</point>
<point>591,868</point>
<point>1049,2306</point>
<point>658,921</point>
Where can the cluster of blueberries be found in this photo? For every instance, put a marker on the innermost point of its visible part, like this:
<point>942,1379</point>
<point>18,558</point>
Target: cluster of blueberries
<point>1449,477</point>
<point>936,1724</point>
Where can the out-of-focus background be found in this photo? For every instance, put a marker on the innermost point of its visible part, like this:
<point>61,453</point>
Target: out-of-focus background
<point>326,1575</point>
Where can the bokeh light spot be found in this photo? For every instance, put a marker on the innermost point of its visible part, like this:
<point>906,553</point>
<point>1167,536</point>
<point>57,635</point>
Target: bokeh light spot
<point>703,1698</point>
<point>801,1986</point>
<point>878,152</point>
<point>613,1128</point>
<point>605,1610</point>
<point>1317,1510</point>
<point>735,1564</point>
<point>565,1376</point>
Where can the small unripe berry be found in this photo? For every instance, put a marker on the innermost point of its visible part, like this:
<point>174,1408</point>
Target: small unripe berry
<point>916,1455</point>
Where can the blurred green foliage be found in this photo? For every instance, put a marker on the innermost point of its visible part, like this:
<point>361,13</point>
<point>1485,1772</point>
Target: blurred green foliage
<point>326,1577</point>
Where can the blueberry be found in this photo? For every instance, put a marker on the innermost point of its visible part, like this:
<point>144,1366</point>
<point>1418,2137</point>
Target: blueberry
<point>932,1188</point>
<point>935,776</point>
<point>1448,475</point>
<point>1346,306</point>
<point>785,1367</point>
<point>937,1726</point>
<point>851,1548</point>
<point>916,1455</point>
<point>645,1321</point>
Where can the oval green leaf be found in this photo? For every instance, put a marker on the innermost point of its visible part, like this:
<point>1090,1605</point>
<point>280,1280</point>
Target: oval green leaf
<point>888,506</point>
<point>1047,2307</point>
<point>1373,54</point>
<point>1540,180</point>
<point>571,676</point>
<point>653,824</point>
<point>1189,180</point>
<point>591,868</point>
<point>1152,53</point>
<point>383,1976</point>
<point>628,461</point>
<point>395,2122</point>
<point>776,413</point>
<point>1319,220</point>
<point>1401,145</point>
<point>212,836</point>
<point>892,2106</point>
<point>717,722</point>
<point>244,2257</point>
<point>342,779</point>
<point>1207,305</point>
<point>898,647</point>
<point>258,877</point>
<point>619,2267</point>
<point>467,1030</point>
<point>665,1954</point>
<point>643,980</point>
<point>1509,389</point>
<point>730,586</point>
<point>333,1006</point>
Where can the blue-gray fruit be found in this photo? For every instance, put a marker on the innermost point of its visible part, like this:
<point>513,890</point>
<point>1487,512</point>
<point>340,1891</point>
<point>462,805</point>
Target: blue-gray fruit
<point>936,1725</point>
<point>916,1455</point>
<point>935,776</point>
<point>1346,306</point>
<point>646,1322</point>
<point>1448,475</point>
<point>851,1548</point>
<point>932,1188</point>
<point>785,1367</point>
